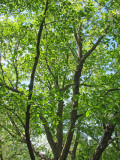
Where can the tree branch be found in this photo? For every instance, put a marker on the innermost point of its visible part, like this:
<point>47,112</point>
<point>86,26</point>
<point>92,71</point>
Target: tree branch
<point>87,85</point>
<point>1,154</point>
<point>74,115</point>
<point>15,115</point>
<point>27,134</point>
<point>9,132</point>
<point>73,153</point>
<point>69,85</point>
<point>89,76</point>
<point>2,69</point>
<point>50,87</point>
<point>109,129</point>
<point>59,133</point>
<point>38,51</point>
<point>104,142</point>
<point>66,87</point>
<point>48,133</point>
<point>78,38</point>
<point>10,88</point>
<point>15,127</point>
<point>40,155</point>
<point>110,90</point>
<point>15,64</point>
<point>49,68</point>
<point>16,71</point>
<point>93,48</point>
<point>75,56</point>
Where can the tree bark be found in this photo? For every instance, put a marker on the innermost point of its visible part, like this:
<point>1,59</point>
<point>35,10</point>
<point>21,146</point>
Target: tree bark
<point>104,142</point>
<point>74,115</point>
<point>73,155</point>
<point>1,156</point>
<point>59,134</point>
<point>27,134</point>
<point>48,134</point>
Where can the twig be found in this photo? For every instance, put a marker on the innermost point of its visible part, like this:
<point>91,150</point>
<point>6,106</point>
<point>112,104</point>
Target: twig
<point>10,88</point>
<point>49,68</point>
<point>15,115</point>
<point>110,90</point>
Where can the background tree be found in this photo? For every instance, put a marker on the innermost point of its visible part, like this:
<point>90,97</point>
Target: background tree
<point>60,78</point>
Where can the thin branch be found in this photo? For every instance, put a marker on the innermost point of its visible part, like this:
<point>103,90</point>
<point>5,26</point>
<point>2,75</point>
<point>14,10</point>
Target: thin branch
<point>54,76</point>
<point>16,72</point>
<point>66,87</point>
<point>8,131</point>
<point>15,126</point>
<point>47,60</point>
<point>15,115</point>
<point>69,85</point>
<point>89,75</point>
<point>75,57</point>
<point>87,85</point>
<point>93,48</point>
<point>10,82</point>
<point>15,64</point>
<point>50,87</point>
<point>16,154</point>
<point>38,76</point>
<point>117,148</point>
<point>2,72</point>
<point>114,139</point>
<point>117,72</point>
<point>49,68</point>
<point>10,88</point>
<point>110,90</point>
<point>64,78</point>
<point>38,51</point>
<point>78,38</point>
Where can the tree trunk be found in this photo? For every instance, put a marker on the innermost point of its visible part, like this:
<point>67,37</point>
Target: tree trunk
<point>104,142</point>
<point>73,155</point>
<point>1,156</point>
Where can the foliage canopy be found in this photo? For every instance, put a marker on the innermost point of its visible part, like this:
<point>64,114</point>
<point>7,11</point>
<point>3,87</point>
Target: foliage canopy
<point>59,80</point>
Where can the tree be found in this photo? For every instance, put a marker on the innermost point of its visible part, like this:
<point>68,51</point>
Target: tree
<point>60,77</point>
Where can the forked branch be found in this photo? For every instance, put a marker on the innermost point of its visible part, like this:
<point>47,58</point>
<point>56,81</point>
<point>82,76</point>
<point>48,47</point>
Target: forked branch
<point>48,133</point>
<point>87,54</point>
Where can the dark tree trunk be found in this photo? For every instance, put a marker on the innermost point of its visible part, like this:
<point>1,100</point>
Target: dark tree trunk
<point>73,154</point>
<point>27,134</point>
<point>104,142</point>
<point>1,156</point>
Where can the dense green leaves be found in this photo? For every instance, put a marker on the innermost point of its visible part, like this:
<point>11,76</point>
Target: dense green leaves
<point>78,70</point>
